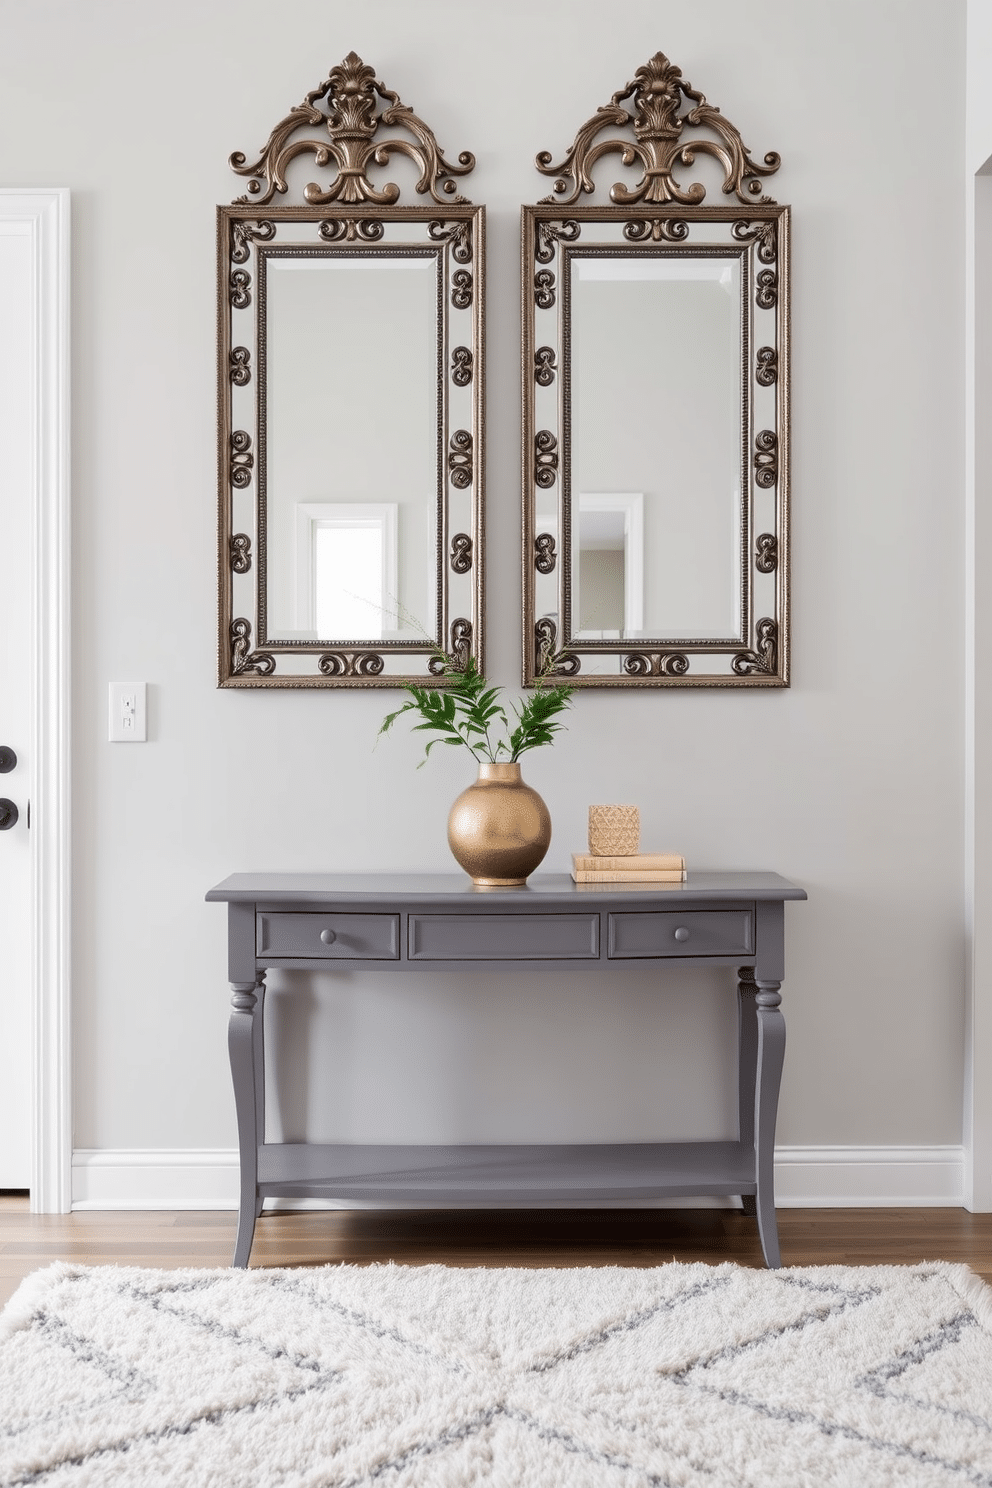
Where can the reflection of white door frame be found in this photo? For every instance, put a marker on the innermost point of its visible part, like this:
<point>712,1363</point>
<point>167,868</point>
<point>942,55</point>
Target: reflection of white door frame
<point>44,215</point>
<point>631,504</point>
<point>312,515</point>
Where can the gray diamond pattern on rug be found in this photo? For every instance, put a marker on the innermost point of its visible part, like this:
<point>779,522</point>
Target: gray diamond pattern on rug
<point>436,1377</point>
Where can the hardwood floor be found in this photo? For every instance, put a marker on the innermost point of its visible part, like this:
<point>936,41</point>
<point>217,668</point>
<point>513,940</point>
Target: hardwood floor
<point>809,1237</point>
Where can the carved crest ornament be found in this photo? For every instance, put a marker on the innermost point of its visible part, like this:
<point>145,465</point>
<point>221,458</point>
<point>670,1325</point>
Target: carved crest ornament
<point>659,93</point>
<point>344,107</point>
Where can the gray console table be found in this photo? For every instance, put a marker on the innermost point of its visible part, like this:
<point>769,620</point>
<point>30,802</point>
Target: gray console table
<point>433,923</point>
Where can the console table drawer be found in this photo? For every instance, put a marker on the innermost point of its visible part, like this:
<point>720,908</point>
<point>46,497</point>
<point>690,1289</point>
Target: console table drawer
<point>714,932</point>
<point>363,937</point>
<point>504,937</point>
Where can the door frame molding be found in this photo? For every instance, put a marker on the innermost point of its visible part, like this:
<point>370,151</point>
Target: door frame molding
<point>977,1124</point>
<point>44,214</point>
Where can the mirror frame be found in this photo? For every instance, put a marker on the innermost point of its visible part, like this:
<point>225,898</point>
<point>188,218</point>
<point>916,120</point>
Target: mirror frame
<point>349,215</point>
<point>659,216</point>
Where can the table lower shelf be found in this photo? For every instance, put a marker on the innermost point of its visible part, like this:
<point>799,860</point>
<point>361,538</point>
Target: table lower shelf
<point>506,1174</point>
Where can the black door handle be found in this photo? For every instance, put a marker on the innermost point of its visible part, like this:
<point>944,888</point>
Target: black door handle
<point>8,814</point>
<point>8,759</point>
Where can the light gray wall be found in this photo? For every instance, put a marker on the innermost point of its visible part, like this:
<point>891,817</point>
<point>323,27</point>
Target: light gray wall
<point>851,782</point>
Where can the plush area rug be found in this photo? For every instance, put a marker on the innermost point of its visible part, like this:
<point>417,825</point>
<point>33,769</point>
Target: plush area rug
<point>686,1375</point>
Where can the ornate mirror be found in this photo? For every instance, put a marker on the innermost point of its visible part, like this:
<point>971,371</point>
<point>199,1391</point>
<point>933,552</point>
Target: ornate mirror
<point>350,396</point>
<point>656,376</point>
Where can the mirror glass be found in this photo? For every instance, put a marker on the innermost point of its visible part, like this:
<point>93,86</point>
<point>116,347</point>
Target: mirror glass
<point>655,346</point>
<point>351,517</point>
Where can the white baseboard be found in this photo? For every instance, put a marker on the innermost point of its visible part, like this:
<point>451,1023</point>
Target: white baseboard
<point>805,1178</point>
<point>868,1177</point>
<point>155,1178</point>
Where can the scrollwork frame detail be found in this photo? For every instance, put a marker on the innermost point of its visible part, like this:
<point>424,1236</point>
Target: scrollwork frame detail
<point>344,105</point>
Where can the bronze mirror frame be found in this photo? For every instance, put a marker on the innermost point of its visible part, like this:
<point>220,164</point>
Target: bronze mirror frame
<point>350,215</point>
<point>660,216</point>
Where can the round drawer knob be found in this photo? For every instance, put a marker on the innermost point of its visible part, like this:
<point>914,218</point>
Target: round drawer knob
<point>328,937</point>
<point>681,933</point>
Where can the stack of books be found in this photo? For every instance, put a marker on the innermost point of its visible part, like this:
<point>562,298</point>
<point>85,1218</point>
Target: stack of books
<point>638,868</point>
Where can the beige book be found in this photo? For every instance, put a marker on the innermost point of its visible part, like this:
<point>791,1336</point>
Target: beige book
<point>590,863</point>
<point>646,875</point>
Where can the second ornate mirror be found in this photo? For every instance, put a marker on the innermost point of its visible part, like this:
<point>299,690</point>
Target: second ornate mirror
<point>655,375</point>
<point>350,392</point>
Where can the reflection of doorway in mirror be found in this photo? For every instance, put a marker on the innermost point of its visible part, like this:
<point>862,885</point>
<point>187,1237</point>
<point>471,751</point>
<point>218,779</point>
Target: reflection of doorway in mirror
<point>346,570</point>
<point>608,570</point>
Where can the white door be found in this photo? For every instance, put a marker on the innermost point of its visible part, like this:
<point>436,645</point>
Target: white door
<point>35,1109</point>
<point>17,382</point>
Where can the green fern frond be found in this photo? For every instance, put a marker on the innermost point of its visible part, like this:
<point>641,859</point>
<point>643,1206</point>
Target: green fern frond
<point>465,710</point>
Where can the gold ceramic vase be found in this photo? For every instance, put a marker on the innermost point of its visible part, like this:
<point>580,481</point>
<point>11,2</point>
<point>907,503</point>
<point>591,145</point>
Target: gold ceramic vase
<point>499,829</point>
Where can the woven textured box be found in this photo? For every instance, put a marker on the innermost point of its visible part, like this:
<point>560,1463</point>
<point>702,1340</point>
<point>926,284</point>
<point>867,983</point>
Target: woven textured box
<point>614,831</point>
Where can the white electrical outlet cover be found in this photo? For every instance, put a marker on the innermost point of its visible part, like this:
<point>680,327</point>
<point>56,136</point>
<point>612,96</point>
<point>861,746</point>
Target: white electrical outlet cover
<point>128,713</point>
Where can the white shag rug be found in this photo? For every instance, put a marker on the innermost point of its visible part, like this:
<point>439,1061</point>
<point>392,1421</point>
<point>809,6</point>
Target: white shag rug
<point>595,1378</point>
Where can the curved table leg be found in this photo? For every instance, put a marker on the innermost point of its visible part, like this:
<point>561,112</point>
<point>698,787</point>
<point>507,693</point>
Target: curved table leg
<point>771,1055</point>
<point>258,1059</point>
<point>244,1043</point>
<point>747,1063</point>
